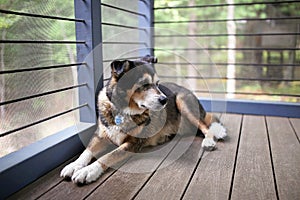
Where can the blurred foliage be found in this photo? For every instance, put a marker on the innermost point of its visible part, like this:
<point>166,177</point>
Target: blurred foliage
<point>242,26</point>
<point>20,56</point>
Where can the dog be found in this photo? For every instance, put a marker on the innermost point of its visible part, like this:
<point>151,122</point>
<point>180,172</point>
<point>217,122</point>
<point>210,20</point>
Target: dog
<point>136,111</point>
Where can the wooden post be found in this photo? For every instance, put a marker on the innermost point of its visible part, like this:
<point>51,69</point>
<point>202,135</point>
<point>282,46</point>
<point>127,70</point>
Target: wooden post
<point>91,53</point>
<point>231,30</point>
<point>146,22</point>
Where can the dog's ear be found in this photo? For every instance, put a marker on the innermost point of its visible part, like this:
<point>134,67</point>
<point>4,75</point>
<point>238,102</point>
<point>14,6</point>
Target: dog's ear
<point>120,67</point>
<point>149,59</point>
<point>117,67</point>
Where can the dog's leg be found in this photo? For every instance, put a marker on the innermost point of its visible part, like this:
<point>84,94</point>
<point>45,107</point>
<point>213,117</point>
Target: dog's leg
<point>93,171</point>
<point>97,145</point>
<point>215,126</point>
<point>188,106</point>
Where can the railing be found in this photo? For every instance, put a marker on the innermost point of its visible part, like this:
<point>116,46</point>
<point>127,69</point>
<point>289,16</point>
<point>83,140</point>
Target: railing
<point>38,71</point>
<point>125,31</point>
<point>55,77</point>
<point>43,82</point>
<point>233,50</point>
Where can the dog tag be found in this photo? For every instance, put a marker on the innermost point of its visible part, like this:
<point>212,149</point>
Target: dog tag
<point>119,120</point>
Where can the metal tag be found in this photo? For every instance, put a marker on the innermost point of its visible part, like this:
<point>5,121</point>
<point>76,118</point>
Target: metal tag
<point>119,120</point>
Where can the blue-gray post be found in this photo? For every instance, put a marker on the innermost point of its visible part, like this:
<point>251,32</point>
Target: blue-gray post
<point>146,22</point>
<point>91,53</point>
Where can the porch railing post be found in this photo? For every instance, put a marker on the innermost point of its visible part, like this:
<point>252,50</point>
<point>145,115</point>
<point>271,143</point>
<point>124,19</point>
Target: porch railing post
<point>90,53</point>
<point>146,22</point>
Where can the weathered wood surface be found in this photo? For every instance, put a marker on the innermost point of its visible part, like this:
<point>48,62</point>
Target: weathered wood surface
<point>213,176</point>
<point>253,177</point>
<point>296,126</point>
<point>42,185</point>
<point>285,149</point>
<point>170,181</point>
<point>126,182</point>
<point>259,160</point>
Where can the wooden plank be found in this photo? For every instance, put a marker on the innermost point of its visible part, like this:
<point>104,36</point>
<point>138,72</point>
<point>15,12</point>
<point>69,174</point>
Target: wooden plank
<point>40,186</point>
<point>253,175</point>
<point>296,125</point>
<point>69,190</point>
<point>170,180</point>
<point>286,157</point>
<point>213,176</point>
<point>125,183</point>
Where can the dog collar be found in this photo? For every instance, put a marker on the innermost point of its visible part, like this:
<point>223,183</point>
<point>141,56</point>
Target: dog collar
<point>119,119</point>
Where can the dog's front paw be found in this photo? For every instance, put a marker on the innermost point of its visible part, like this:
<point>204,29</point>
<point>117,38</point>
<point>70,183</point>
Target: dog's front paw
<point>208,144</point>
<point>70,169</point>
<point>88,174</point>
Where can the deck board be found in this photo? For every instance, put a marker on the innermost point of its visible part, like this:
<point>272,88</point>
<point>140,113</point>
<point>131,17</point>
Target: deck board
<point>42,185</point>
<point>170,180</point>
<point>259,160</point>
<point>125,183</point>
<point>286,157</point>
<point>213,176</point>
<point>253,178</point>
<point>296,126</point>
<point>67,189</point>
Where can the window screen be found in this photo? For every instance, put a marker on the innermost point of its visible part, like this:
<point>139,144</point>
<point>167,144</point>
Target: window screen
<point>38,71</point>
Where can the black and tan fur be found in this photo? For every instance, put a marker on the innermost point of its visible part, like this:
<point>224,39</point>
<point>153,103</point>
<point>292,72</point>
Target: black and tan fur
<point>151,113</point>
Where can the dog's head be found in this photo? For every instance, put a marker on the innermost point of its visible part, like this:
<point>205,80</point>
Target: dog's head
<point>134,85</point>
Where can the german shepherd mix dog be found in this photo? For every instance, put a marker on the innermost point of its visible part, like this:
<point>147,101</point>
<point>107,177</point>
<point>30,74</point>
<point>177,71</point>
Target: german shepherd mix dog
<point>137,111</point>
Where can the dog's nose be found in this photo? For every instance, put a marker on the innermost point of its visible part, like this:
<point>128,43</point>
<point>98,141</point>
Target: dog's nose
<point>163,100</point>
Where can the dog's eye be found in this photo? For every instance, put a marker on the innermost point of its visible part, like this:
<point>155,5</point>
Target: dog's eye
<point>144,87</point>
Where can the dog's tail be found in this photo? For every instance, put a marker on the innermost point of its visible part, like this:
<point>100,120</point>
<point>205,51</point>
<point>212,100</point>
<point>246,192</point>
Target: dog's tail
<point>215,127</point>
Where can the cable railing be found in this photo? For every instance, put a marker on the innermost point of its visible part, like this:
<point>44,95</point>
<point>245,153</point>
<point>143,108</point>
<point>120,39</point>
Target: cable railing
<point>42,120</point>
<point>124,10</point>
<point>124,35</point>
<point>226,5</point>
<point>11,12</point>
<point>12,71</point>
<point>261,57</point>
<point>228,20</point>
<point>40,76</point>
<point>122,26</point>
<point>42,94</point>
<point>266,48</point>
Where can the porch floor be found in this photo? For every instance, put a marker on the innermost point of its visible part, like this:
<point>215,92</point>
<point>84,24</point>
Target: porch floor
<point>259,160</point>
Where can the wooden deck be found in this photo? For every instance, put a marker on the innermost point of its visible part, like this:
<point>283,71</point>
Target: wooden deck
<point>259,160</point>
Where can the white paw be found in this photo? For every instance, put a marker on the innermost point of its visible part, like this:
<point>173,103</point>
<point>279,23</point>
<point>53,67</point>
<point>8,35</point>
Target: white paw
<point>218,130</point>
<point>70,169</point>
<point>208,144</point>
<point>88,174</point>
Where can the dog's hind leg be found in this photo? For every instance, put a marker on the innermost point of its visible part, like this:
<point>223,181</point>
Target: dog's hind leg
<point>189,107</point>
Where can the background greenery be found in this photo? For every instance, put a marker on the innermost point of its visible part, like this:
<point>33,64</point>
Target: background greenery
<point>22,84</point>
<point>220,56</point>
